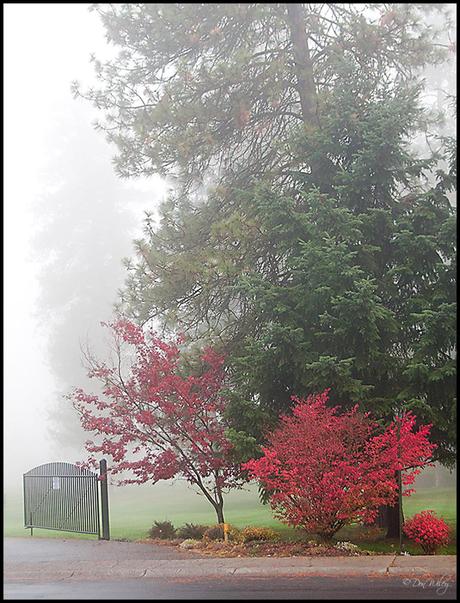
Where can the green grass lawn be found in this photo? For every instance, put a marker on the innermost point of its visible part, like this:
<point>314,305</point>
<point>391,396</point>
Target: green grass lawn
<point>440,500</point>
<point>133,509</point>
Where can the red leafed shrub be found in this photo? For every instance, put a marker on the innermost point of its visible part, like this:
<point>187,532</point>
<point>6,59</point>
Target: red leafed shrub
<point>428,531</point>
<point>325,469</point>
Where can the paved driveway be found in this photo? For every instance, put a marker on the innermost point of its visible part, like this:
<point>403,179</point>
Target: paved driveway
<point>37,550</point>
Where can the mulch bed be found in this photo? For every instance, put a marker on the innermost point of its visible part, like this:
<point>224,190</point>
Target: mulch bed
<point>262,549</point>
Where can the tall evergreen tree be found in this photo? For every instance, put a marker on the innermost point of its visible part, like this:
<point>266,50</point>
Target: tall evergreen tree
<point>352,288</point>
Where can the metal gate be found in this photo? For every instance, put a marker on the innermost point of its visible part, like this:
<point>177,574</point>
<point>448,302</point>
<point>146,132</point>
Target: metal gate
<point>62,496</point>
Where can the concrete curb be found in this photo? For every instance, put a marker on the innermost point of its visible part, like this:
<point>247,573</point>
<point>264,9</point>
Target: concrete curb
<point>379,565</point>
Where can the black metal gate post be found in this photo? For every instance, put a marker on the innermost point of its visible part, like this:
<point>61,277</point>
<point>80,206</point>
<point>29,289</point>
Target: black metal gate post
<point>104,499</point>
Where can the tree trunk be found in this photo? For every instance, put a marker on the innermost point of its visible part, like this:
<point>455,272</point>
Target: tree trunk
<point>325,538</point>
<point>303,63</point>
<point>219,503</point>
<point>390,517</point>
<point>220,513</point>
<point>393,523</point>
<point>395,517</point>
<point>305,84</point>
<point>437,476</point>
<point>381,520</point>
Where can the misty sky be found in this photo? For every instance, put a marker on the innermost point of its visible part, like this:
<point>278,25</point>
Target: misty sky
<point>46,46</point>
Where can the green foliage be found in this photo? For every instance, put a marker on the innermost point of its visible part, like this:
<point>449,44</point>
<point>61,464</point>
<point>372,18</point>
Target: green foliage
<point>163,530</point>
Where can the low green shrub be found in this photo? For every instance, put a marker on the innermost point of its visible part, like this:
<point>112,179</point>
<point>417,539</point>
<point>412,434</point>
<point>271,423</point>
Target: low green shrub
<point>192,531</point>
<point>162,529</point>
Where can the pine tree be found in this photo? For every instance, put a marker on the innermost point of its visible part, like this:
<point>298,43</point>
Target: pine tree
<point>201,92</point>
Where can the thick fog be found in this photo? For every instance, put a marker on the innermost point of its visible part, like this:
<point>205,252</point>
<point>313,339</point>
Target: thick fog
<point>69,221</point>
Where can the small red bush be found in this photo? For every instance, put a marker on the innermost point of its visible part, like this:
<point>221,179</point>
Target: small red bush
<point>428,531</point>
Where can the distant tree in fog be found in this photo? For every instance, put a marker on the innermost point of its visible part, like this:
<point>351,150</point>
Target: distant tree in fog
<point>85,225</point>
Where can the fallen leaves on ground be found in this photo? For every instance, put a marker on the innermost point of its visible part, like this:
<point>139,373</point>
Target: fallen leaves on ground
<point>262,549</point>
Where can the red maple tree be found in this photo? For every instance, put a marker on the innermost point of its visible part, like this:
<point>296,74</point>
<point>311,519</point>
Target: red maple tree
<point>156,421</point>
<point>326,469</point>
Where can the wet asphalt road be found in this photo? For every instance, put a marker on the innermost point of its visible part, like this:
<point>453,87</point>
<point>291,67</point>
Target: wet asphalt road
<point>38,551</point>
<point>35,550</point>
<point>321,588</point>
